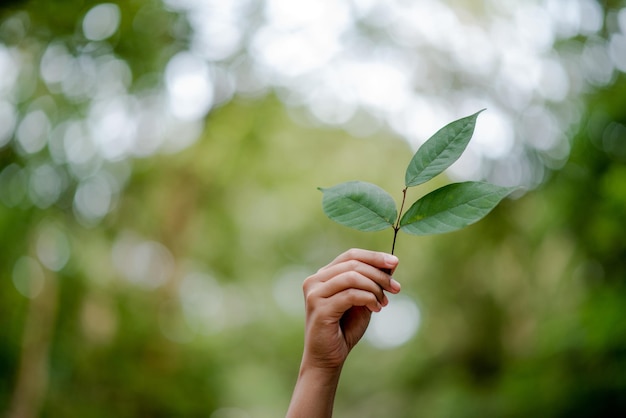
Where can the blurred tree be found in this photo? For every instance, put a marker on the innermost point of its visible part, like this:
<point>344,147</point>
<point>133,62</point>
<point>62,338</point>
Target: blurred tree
<point>60,61</point>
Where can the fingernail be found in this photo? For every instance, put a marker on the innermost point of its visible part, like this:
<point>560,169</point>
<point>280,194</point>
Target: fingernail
<point>395,285</point>
<point>391,260</point>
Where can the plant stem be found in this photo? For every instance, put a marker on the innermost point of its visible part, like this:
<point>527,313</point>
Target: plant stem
<point>395,235</point>
<point>396,227</point>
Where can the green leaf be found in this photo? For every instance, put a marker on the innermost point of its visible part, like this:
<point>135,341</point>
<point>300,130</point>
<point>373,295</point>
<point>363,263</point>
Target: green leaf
<point>359,205</point>
<point>452,207</point>
<point>440,151</point>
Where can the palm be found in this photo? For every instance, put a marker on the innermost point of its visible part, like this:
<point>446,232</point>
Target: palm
<point>353,324</point>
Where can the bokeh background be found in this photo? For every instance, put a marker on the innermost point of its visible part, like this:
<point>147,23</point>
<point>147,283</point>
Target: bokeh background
<point>158,205</point>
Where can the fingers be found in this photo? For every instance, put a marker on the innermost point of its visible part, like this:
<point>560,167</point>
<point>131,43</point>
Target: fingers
<point>353,279</point>
<point>337,304</point>
<point>369,264</point>
<point>373,258</point>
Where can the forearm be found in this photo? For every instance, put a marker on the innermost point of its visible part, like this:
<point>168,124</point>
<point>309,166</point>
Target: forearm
<point>314,394</point>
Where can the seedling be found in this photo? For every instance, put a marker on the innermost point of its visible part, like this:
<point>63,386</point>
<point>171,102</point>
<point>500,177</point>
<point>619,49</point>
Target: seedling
<point>366,207</point>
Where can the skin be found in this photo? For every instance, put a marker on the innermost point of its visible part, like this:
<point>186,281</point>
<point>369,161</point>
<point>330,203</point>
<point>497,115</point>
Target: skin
<point>339,301</point>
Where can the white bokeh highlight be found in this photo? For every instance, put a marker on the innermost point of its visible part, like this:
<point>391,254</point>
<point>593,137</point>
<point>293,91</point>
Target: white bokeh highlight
<point>101,21</point>
<point>395,325</point>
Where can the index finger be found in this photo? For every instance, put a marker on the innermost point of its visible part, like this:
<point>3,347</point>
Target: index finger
<point>377,259</point>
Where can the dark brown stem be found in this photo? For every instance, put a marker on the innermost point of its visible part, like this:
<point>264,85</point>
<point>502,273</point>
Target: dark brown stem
<point>395,235</point>
<point>396,227</point>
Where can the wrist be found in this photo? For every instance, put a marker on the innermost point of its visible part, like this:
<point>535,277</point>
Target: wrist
<point>322,374</point>
<point>325,367</point>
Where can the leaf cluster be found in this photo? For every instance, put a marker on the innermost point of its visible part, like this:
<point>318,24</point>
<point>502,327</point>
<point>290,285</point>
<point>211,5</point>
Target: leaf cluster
<point>367,207</point>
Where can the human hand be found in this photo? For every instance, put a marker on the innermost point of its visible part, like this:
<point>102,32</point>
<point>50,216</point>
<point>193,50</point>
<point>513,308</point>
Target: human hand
<point>340,299</point>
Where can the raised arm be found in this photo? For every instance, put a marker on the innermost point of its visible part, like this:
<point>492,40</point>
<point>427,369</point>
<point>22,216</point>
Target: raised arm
<point>340,299</point>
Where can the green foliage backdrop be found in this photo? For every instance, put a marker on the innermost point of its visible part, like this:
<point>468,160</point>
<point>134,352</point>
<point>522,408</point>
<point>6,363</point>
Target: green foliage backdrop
<point>184,299</point>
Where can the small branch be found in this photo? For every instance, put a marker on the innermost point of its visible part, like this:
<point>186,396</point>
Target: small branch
<point>393,244</point>
<point>396,227</point>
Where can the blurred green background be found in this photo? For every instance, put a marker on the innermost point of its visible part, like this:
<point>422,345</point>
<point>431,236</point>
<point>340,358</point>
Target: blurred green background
<point>158,204</point>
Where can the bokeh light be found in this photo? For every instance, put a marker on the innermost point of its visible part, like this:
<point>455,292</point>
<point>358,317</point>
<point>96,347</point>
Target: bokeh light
<point>202,300</point>
<point>101,21</point>
<point>395,325</point>
<point>142,262</point>
<point>8,119</point>
<point>189,86</point>
<point>365,66</point>
<point>53,247</point>
<point>288,289</point>
<point>28,277</point>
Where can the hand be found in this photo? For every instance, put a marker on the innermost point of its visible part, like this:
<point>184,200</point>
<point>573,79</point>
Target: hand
<point>340,299</point>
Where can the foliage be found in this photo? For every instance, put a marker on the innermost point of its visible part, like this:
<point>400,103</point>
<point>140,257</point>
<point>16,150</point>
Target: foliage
<point>367,207</point>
